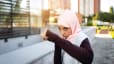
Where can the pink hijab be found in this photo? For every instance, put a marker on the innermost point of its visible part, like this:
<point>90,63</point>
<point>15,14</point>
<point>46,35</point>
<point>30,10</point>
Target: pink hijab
<point>69,19</point>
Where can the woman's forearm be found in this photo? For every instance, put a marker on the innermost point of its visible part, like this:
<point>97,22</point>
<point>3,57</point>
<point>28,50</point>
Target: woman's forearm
<point>83,54</point>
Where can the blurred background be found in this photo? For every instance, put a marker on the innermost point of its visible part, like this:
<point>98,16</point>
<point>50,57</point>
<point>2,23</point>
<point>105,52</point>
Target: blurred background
<point>21,22</point>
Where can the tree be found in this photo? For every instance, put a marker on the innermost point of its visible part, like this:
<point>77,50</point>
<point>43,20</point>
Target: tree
<point>104,16</point>
<point>112,13</point>
<point>111,10</point>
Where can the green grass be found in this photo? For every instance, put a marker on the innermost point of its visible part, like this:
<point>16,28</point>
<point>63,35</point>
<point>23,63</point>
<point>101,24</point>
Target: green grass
<point>112,34</point>
<point>103,27</point>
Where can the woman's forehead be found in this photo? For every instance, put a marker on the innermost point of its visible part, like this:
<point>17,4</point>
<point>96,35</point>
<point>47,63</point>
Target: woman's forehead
<point>63,26</point>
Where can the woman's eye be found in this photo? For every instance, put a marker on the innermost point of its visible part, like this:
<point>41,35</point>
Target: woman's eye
<point>65,28</point>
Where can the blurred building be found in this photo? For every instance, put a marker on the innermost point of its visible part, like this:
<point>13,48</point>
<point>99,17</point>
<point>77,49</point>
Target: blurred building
<point>88,7</point>
<point>56,7</point>
<point>59,4</point>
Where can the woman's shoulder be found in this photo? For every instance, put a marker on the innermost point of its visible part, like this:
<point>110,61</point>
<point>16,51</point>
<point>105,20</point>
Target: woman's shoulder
<point>79,38</point>
<point>82,36</point>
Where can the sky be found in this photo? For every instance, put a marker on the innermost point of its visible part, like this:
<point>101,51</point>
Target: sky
<point>74,5</point>
<point>105,5</point>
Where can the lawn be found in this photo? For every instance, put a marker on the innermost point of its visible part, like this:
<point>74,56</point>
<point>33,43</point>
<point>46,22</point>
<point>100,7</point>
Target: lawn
<point>112,33</point>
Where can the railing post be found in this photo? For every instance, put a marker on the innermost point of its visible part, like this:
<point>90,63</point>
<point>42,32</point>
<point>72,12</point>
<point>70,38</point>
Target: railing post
<point>11,17</point>
<point>29,15</point>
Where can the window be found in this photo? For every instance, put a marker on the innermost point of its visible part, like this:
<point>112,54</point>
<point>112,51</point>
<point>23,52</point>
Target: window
<point>16,19</point>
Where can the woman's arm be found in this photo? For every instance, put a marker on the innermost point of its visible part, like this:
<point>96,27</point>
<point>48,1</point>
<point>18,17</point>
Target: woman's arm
<point>84,53</point>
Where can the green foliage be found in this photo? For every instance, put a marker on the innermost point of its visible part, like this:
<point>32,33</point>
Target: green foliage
<point>104,16</point>
<point>95,17</point>
<point>111,10</point>
<point>89,23</point>
<point>55,20</point>
<point>89,18</point>
<point>112,32</point>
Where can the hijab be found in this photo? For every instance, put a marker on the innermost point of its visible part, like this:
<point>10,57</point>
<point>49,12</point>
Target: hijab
<point>69,19</point>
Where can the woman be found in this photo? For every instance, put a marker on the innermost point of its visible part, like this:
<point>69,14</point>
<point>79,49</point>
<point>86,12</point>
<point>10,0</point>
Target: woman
<point>73,47</point>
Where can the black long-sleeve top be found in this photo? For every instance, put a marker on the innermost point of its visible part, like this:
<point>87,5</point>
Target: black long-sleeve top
<point>83,54</point>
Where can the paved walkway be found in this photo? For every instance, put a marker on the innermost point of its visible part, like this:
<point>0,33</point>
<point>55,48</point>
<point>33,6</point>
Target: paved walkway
<point>103,49</point>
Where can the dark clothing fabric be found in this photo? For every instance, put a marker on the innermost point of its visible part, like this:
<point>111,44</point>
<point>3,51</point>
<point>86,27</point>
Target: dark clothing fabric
<point>57,55</point>
<point>83,54</point>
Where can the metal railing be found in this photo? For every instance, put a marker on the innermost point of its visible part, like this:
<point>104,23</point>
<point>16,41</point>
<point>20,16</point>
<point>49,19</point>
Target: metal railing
<point>15,21</point>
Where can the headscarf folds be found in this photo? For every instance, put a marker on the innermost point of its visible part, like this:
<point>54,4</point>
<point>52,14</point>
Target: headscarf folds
<point>69,19</point>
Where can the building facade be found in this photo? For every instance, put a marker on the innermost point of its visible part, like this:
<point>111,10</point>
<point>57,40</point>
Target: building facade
<point>88,7</point>
<point>59,4</point>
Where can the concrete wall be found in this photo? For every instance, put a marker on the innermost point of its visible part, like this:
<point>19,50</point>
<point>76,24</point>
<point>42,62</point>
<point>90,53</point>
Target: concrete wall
<point>18,42</point>
<point>90,32</point>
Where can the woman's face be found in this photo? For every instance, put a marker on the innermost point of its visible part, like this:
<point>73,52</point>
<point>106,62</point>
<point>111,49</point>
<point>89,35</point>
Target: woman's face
<point>65,31</point>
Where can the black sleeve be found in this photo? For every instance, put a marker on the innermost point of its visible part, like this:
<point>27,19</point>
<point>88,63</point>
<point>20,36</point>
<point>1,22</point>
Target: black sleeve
<point>57,55</point>
<point>84,53</point>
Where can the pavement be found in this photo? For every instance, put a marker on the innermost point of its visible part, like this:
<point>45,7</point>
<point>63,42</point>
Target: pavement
<point>103,49</point>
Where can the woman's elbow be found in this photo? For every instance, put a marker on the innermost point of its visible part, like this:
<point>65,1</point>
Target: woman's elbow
<point>91,57</point>
<point>88,58</point>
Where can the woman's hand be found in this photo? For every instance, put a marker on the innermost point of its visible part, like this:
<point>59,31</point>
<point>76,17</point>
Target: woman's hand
<point>43,34</point>
<point>48,35</point>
